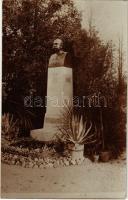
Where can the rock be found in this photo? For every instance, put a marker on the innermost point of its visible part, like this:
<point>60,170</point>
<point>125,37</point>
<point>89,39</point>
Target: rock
<point>15,157</point>
<point>36,159</point>
<point>57,162</point>
<point>47,160</point>
<point>55,165</point>
<point>79,161</point>
<point>41,160</point>
<point>31,164</point>
<point>27,165</point>
<point>61,163</point>
<point>37,150</point>
<point>49,165</point>
<point>22,160</point>
<point>36,166</point>
<point>29,159</point>
<point>41,166</point>
<point>66,162</point>
<point>73,162</point>
<point>17,163</point>
<point>13,162</point>
<point>23,164</point>
<point>34,162</point>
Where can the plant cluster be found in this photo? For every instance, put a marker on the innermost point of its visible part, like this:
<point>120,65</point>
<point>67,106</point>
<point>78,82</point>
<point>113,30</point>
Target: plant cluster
<point>10,129</point>
<point>77,131</point>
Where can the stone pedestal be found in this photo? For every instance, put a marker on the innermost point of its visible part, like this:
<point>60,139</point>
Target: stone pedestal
<point>59,94</point>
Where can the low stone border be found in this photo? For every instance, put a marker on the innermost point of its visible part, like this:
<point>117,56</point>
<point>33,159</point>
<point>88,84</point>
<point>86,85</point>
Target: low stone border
<point>25,151</point>
<point>34,158</point>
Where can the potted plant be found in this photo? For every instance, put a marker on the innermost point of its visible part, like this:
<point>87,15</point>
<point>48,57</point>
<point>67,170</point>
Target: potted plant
<point>76,134</point>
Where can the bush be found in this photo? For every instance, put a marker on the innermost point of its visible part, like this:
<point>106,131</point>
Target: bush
<point>10,129</point>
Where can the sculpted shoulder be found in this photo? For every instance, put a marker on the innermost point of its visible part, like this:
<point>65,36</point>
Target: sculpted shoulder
<point>57,59</point>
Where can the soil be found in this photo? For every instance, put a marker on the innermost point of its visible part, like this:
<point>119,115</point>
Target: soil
<point>88,180</point>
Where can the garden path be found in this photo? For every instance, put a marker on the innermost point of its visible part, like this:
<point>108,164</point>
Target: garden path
<point>89,180</point>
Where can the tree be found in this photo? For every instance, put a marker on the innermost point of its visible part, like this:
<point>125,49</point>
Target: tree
<point>29,27</point>
<point>96,73</point>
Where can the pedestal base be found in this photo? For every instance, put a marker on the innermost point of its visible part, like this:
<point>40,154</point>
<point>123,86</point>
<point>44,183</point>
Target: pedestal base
<point>59,95</point>
<point>48,133</point>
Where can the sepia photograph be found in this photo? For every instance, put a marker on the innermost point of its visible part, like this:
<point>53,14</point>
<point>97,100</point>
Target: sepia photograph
<point>64,99</point>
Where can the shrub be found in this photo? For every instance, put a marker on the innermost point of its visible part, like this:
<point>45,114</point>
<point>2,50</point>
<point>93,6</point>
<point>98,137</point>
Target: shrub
<point>10,127</point>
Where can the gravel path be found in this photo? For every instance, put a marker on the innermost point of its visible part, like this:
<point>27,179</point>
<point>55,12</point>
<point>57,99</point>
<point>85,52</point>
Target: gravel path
<point>89,180</point>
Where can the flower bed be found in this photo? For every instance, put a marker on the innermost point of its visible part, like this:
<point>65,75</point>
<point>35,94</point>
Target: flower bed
<point>43,157</point>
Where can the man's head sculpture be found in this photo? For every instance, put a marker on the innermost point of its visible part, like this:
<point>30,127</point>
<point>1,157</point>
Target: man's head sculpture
<point>57,45</point>
<point>59,57</point>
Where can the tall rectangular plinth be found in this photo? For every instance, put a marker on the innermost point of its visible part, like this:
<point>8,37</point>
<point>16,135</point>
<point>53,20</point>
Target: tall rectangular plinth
<point>59,95</point>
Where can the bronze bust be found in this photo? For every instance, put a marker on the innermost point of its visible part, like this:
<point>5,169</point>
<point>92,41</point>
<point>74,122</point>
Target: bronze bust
<point>59,58</point>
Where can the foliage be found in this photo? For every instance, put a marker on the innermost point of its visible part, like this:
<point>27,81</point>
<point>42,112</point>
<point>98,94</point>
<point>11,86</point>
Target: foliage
<point>95,69</point>
<point>73,128</point>
<point>10,127</point>
<point>96,72</point>
<point>78,132</point>
<point>29,27</point>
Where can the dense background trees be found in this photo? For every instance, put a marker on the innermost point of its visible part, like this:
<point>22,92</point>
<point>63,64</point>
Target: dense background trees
<point>29,27</point>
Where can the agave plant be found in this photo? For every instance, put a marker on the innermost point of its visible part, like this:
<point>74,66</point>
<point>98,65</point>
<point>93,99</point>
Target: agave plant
<point>77,131</point>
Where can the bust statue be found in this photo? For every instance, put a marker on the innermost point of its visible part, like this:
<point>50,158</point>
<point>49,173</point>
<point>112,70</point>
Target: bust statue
<point>59,58</point>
